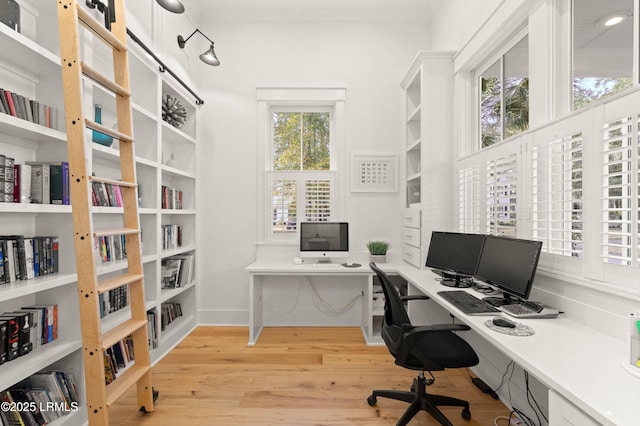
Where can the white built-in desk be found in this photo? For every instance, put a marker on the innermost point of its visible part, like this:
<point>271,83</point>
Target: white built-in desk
<point>261,269</point>
<point>582,368</point>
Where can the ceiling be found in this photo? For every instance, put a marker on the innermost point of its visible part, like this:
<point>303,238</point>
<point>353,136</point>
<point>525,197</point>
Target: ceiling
<point>206,10</point>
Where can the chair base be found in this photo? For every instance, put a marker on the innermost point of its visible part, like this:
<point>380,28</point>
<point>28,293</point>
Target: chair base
<point>419,399</point>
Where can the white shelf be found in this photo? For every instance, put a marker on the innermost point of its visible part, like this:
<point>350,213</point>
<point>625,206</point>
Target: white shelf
<point>12,372</point>
<point>25,130</point>
<point>26,208</point>
<point>36,285</point>
<point>170,293</point>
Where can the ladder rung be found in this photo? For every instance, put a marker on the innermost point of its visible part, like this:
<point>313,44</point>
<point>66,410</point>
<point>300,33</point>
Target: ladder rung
<point>104,80</point>
<point>98,28</point>
<point>113,182</point>
<point>107,131</point>
<point>119,281</point>
<point>124,381</point>
<point>121,331</point>
<point>116,231</point>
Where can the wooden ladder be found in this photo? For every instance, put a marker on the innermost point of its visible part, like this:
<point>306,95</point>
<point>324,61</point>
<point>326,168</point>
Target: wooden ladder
<point>94,342</point>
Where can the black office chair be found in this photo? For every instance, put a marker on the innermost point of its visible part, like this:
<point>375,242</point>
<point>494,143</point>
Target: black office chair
<point>425,348</point>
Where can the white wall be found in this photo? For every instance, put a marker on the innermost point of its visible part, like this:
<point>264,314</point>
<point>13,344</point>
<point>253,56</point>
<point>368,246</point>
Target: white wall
<point>368,57</point>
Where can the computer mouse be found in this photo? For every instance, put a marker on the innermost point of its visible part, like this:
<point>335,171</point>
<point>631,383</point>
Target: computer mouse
<point>501,322</point>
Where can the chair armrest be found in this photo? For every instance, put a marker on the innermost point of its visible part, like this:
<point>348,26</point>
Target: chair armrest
<point>440,327</point>
<point>415,297</point>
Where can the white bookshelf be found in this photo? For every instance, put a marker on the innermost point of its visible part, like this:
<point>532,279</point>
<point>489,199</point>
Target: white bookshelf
<point>30,65</point>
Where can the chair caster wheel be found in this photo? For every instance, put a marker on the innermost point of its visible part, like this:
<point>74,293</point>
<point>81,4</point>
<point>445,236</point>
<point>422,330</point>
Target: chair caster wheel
<point>466,414</point>
<point>372,400</point>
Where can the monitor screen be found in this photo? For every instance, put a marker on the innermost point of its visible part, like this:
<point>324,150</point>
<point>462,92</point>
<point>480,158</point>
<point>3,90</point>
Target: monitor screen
<point>324,239</point>
<point>510,265</point>
<point>455,252</point>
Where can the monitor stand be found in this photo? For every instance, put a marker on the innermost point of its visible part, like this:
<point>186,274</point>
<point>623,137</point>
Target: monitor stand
<point>453,279</point>
<point>499,301</point>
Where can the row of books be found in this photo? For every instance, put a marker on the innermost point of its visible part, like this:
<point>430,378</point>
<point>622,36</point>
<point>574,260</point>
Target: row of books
<point>26,329</point>
<point>24,258</point>
<point>168,313</point>
<point>118,357</point>
<point>106,195</point>
<point>110,248</point>
<point>171,198</point>
<point>34,182</point>
<point>177,271</point>
<point>41,398</point>
<point>171,236</point>
<point>22,107</point>
<point>113,300</point>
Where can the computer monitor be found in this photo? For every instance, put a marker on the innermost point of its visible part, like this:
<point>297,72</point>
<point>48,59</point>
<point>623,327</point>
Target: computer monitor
<point>509,264</point>
<point>324,241</point>
<point>455,255</point>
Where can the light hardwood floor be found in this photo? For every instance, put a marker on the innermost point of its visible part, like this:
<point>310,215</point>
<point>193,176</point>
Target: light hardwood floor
<point>293,376</point>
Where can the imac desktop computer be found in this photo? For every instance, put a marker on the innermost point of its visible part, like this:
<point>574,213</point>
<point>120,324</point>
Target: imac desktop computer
<point>509,265</point>
<point>322,242</point>
<point>454,256</point>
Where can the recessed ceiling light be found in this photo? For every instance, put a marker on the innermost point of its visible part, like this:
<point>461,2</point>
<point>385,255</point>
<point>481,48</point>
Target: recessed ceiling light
<point>614,20</point>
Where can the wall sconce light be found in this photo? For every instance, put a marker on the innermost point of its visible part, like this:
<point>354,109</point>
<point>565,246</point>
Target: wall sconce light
<point>172,5</point>
<point>209,56</point>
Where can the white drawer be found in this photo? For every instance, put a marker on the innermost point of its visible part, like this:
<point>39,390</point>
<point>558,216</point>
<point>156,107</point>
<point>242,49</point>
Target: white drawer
<point>411,236</point>
<point>411,218</point>
<point>412,255</point>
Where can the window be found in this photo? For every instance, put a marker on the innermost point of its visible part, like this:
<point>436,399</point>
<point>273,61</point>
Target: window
<point>501,196</point>
<point>620,232</point>
<point>300,154</point>
<point>504,95</point>
<point>469,199</point>
<point>298,140</point>
<point>557,195</point>
<point>602,49</point>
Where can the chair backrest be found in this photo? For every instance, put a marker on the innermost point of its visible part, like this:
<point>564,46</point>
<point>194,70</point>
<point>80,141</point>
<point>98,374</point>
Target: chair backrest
<point>396,320</point>
<point>394,312</point>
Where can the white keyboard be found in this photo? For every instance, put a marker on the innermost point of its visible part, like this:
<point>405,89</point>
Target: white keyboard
<point>325,265</point>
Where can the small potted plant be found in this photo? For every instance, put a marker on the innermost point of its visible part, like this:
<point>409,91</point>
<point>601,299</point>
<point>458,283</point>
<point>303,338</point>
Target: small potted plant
<point>378,250</point>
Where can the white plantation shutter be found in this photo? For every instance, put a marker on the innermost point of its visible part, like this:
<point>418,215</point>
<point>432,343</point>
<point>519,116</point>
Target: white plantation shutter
<point>557,195</point>
<point>501,195</point>
<point>314,191</point>
<point>317,200</point>
<point>283,205</point>
<point>620,191</point>
<point>469,199</point>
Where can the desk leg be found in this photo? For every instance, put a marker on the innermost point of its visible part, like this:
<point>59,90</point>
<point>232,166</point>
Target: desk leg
<point>255,308</point>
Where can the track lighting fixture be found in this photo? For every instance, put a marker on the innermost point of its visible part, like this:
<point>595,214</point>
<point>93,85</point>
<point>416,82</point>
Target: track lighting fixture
<point>209,56</point>
<point>174,6</point>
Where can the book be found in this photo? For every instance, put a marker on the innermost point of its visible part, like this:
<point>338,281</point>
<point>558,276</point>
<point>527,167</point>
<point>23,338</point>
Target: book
<point>40,184</point>
<point>18,254</point>
<point>9,417</point>
<point>3,341</point>
<point>12,107</point>
<point>8,187</point>
<point>22,183</point>
<point>25,319</point>
<point>29,258</point>
<point>3,100</point>
<point>12,336</point>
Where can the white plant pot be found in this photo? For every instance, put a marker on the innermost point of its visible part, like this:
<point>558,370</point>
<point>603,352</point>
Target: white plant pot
<point>378,258</point>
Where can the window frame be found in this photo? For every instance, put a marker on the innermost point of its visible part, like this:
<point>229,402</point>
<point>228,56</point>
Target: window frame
<point>295,99</point>
<point>488,62</point>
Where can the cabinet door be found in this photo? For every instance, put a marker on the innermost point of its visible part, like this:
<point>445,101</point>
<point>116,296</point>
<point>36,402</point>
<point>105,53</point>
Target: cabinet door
<point>411,218</point>
<point>564,413</point>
